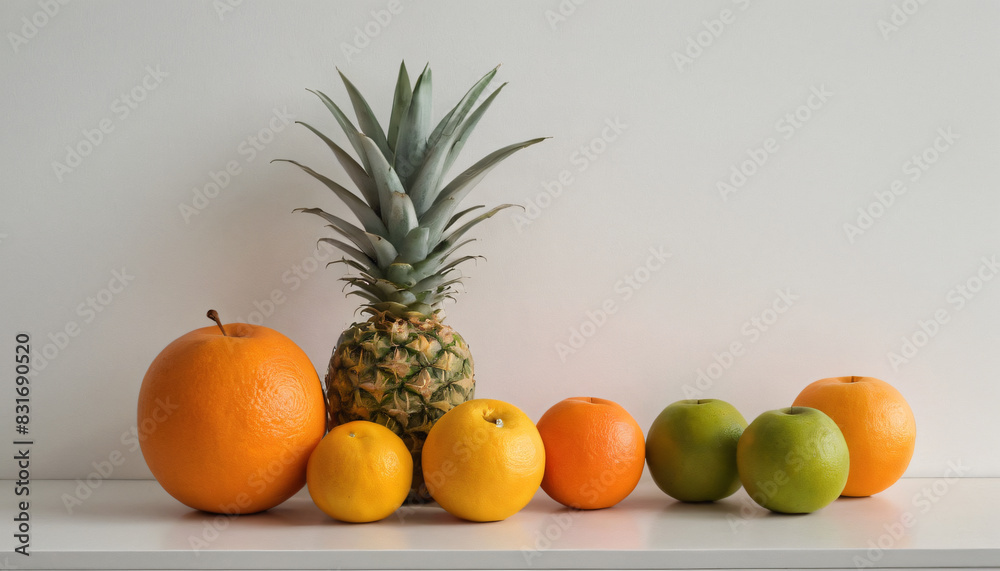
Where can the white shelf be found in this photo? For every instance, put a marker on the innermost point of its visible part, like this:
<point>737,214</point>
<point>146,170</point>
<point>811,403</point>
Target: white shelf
<point>136,525</point>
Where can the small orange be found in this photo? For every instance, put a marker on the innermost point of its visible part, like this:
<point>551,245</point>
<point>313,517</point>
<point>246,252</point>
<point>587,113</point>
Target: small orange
<point>878,426</point>
<point>594,450</point>
<point>360,472</point>
<point>483,460</point>
<point>227,418</point>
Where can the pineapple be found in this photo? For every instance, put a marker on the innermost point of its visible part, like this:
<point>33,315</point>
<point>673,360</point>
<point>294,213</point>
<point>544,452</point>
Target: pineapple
<point>404,368</point>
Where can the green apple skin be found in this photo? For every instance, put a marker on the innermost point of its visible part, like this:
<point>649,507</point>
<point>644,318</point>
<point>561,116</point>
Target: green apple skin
<point>691,450</point>
<point>793,460</point>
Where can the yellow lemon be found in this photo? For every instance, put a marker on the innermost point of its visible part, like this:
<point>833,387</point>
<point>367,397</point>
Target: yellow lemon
<point>360,472</point>
<point>483,460</point>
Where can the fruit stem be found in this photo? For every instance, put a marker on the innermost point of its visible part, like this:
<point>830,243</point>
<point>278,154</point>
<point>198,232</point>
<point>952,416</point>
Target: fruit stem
<point>214,316</point>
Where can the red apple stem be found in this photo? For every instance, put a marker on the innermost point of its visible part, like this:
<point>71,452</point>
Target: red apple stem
<point>214,316</point>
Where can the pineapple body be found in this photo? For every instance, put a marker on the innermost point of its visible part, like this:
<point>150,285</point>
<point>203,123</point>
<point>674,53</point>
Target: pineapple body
<point>403,373</point>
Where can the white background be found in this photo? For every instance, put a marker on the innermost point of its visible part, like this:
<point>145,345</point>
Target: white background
<point>216,79</point>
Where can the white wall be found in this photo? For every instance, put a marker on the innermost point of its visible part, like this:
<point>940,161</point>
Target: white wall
<point>212,81</point>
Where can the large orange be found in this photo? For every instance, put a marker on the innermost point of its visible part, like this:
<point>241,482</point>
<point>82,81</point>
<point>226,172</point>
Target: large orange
<point>483,460</point>
<point>878,426</point>
<point>594,452</point>
<point>227,422</point>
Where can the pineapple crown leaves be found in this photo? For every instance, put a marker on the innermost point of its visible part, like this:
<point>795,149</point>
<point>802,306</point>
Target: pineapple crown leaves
<point>407,227</point>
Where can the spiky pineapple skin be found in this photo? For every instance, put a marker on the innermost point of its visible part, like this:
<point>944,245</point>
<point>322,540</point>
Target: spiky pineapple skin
<point>403,373</point>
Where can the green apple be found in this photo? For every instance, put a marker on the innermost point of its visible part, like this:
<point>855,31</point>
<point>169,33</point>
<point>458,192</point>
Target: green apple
<point>793,460</point>
<point>691,450</point>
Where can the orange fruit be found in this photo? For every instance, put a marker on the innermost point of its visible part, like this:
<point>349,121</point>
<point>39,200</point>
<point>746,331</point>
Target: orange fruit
<point>227,422</point>
<point>878,426</point>
<point>594,452</point>
<point>360,472</point>
<point>483,460</point>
